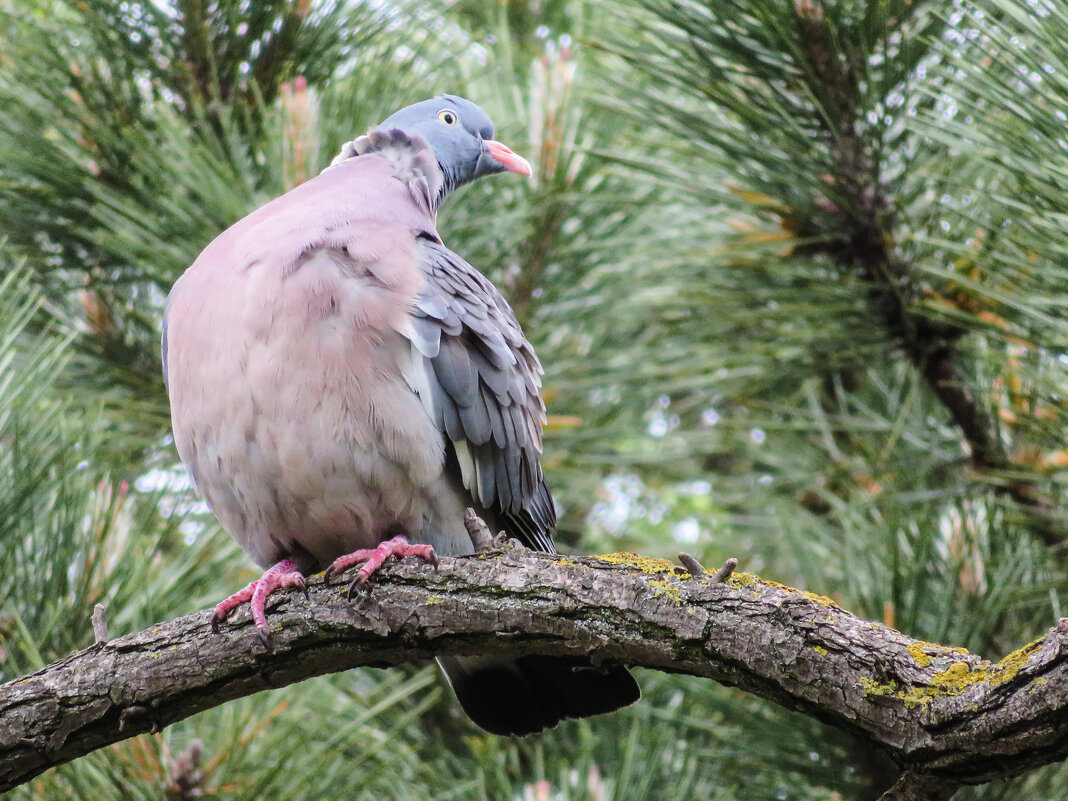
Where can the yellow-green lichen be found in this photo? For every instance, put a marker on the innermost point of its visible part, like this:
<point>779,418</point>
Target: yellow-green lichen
<point>919,655</point>
<point>668,588</point>
<point>933,649</point>
<point>745,580</point>
<point>777,585</point>
<point>915,696</point>
<point>645,564</point>
<point>1011,664</point>
<point>954,680</point>
<point>822,600</point>
<point>958,677</point>
<point>872,687</point>
<point>433,600</point>
<point>820,650</point>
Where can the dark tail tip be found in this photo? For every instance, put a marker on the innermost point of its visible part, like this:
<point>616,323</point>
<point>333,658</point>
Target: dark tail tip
<point>531,693</point>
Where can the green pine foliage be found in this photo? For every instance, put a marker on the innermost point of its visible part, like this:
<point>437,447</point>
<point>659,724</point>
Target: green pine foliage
<point>796,271</point>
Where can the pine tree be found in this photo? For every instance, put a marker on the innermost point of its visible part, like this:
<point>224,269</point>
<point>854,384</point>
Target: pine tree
<point>795,270</point>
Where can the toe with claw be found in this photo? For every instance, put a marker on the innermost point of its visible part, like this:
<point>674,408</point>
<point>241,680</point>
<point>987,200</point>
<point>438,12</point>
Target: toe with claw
<point>374,557</point>
<point>283,574</point>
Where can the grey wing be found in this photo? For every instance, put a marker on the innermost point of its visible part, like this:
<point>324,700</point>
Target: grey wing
<point>481,382</point>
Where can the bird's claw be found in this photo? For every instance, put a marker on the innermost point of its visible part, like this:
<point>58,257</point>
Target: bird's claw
<point>355,585</point>
<point>302,585</point>
<point>374,557</point>
<point>283,574</point>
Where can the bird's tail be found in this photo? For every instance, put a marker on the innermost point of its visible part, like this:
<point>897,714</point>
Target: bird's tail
<point>529,693</point>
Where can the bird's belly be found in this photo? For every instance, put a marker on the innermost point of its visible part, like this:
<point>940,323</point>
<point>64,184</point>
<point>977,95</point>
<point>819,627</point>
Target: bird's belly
<point>310,444</point>
<point>290,478</point>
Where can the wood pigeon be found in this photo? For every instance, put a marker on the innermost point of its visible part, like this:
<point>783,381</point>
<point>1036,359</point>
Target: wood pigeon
<point>343,386</point>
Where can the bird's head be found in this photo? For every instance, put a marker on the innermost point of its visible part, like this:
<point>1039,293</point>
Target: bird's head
<point>461,136</point>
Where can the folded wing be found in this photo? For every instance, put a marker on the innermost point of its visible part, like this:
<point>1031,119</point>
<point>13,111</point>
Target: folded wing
<point>480,381</point>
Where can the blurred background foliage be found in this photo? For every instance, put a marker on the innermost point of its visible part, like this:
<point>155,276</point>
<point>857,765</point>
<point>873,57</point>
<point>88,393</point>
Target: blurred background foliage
<point>796,269</point>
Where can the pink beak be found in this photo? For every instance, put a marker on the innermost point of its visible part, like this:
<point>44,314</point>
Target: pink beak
<point>512,162</point>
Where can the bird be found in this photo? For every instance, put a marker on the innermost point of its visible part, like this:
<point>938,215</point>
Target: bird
<point>343,387</point>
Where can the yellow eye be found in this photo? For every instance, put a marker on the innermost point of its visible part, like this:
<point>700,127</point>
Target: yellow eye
<point>448,116</point>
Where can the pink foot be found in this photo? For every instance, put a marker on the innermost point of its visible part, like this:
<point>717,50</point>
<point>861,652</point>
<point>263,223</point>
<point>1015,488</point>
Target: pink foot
<point>374,557</point>
<point>283,574</point>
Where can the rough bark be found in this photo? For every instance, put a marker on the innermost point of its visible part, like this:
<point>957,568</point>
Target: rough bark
<point>944,715</point>
<point>914,787</point>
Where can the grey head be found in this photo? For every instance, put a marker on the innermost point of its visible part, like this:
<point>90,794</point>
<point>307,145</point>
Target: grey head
<point>461,136</point>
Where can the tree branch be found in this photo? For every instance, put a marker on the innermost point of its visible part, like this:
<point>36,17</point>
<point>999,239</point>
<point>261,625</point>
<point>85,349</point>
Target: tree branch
<point>863,241</point>
<point>939,712</point>
<point>915,787</point>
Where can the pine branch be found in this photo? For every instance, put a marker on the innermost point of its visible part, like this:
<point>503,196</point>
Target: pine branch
<point>940,712</point>
<point>866,219</point>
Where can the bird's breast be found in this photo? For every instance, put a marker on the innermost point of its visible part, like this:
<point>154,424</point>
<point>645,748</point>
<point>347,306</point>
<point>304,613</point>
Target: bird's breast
<point>288,399</point>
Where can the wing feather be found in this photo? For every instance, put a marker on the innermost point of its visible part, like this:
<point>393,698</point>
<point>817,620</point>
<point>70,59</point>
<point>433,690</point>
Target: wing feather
<point>481,380</point>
